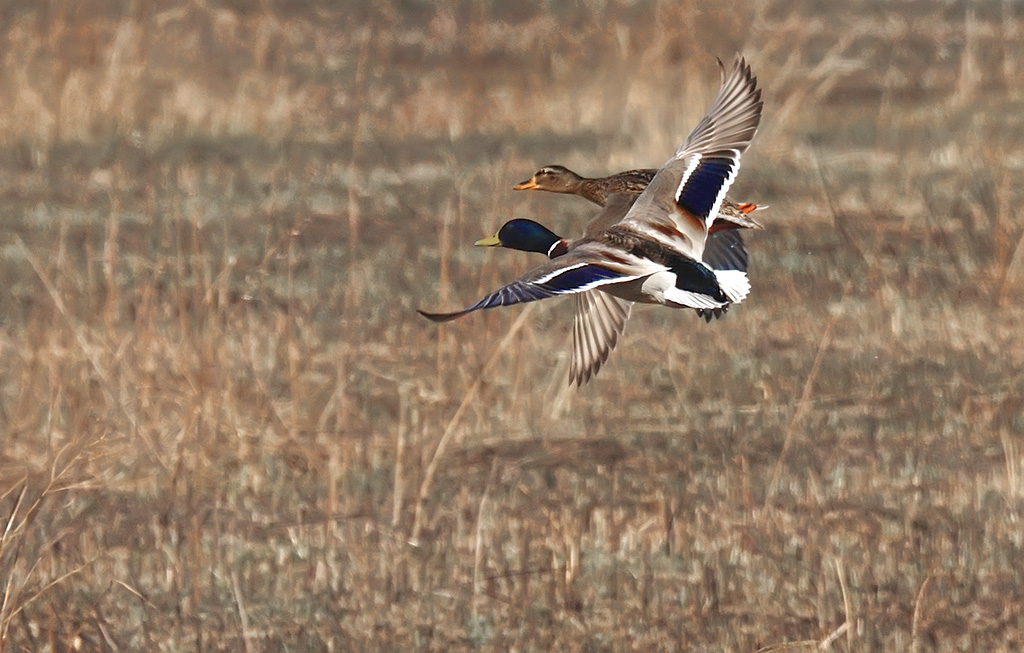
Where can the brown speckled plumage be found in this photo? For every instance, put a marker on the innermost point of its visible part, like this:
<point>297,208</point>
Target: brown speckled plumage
<point>559,179</point>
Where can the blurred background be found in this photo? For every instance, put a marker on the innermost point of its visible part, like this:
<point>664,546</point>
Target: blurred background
<point>225,427</point>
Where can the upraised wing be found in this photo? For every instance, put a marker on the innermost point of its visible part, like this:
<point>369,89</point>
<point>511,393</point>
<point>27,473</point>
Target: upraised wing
<point>684,197</point>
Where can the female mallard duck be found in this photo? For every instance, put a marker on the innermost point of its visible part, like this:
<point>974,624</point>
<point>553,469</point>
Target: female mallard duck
<point>559,179</point>
<point>650,248</point>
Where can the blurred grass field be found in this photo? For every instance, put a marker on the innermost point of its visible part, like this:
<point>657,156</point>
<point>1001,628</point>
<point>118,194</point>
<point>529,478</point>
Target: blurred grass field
<point>225,427</point>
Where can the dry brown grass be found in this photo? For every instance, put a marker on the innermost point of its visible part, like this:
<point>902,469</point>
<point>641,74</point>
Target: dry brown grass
<point>225,427</point>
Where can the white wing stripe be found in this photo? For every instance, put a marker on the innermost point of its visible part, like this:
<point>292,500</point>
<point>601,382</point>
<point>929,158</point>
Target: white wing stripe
<point>557,273</point>
<point>686,175</point>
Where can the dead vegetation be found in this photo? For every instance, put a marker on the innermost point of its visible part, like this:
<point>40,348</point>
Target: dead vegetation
<point>225,427</point>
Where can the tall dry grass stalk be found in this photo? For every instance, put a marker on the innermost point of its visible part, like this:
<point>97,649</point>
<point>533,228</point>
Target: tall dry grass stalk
<point>451,431</point>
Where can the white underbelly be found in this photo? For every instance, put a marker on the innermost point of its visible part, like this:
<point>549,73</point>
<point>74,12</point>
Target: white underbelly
<point>660,288</point>
<point>633,291</point>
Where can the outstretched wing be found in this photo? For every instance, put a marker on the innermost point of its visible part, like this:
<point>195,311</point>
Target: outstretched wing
<point>573,273</point>
<point>600,319</point>
<point>684,197</point>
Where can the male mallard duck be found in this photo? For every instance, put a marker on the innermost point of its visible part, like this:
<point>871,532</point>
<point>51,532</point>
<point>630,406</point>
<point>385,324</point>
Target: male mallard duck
<point>599,311</point>
<point>653,250</point>
<point>723,250</point>
<point>559,179</point>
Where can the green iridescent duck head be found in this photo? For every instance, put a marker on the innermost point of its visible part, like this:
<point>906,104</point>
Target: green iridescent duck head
<point>526,236</point>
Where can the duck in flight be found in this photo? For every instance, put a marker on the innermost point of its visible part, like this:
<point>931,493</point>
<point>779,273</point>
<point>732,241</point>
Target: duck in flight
<point>600,317</point>
<point>724,249</point>
<point>559,179</point>
<point>648,248</point>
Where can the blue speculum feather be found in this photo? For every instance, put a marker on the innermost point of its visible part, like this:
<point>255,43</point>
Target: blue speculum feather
<point>705,183</point>
<point>579,277</point>
<point>519,292</point>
